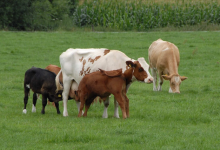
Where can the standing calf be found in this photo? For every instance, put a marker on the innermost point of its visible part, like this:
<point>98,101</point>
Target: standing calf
<point>164,59</point>
<point>41,81</point>
<point>103,83</point>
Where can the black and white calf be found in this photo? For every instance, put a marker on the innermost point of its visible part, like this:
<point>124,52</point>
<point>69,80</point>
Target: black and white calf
<point>41,81</point>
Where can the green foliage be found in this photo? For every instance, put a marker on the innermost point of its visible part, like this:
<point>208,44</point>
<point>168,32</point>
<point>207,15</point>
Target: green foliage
<point>135,15</point>
<point>34,14</point>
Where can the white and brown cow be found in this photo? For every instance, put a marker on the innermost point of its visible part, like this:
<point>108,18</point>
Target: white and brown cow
<point>164,59</point>
<point>76,63</point>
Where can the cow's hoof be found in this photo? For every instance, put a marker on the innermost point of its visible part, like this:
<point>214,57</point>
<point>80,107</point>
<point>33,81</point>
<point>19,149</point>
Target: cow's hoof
<point>24,111</point>
<point>116,116</point>
<point>65,114</point>
<point>43,112</point>
<point>58,112</point>
<point>155,89</point>
<point>33,108</point>
<point>104,116</point>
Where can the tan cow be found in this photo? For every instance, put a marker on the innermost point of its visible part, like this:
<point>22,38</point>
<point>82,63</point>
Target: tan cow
<point>164,59</point>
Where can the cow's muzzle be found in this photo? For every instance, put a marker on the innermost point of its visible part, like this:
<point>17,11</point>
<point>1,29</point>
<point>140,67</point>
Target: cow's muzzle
<point>149,80</point>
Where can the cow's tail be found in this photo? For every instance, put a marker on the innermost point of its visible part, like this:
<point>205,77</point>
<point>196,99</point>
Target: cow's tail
<point>58,85</point>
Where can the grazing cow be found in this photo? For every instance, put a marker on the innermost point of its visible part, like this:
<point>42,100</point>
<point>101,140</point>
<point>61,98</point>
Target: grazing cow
<point>75,63</point>
<point>164,59</point>
<point>41,81</point>
<point>103,83</point>
<point>55,69</point>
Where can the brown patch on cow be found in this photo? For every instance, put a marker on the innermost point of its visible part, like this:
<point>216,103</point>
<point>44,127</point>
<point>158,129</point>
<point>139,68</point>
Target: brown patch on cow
<point>87,70</point>
<point>82,71</point>
<point>81,59</point>
<point>113,73</point>
<point>106,51</point>
<point>93,60</point>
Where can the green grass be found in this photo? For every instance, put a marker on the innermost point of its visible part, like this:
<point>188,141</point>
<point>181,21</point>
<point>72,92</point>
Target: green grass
<point>158,120</point>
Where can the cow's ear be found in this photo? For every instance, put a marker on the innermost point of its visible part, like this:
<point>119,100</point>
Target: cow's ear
<point>183,78</point>
<point>130,63</point>
<point>166,77</point>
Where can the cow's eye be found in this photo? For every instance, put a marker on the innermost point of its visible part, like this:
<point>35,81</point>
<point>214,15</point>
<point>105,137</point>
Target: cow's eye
<point>141,69</point>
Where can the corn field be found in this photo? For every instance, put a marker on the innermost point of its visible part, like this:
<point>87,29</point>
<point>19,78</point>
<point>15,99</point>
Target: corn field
<point>140,16</point>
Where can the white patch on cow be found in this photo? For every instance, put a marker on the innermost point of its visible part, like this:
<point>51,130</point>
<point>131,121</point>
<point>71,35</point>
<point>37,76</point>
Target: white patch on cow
<point>177,79</point>
<point>28,86</point>
<point>78,105</point>
<point>89,50</point>
<point>105,113</point>
<point>33,108</point>
<point>24,111</point>
<point>145,66</point>
<point>116,115</point>
<point>165,49</point>
<point>170,90</point>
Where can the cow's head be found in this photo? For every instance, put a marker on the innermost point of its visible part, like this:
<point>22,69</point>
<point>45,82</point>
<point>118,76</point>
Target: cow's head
<point>140,70</point>
<point>175,81</point>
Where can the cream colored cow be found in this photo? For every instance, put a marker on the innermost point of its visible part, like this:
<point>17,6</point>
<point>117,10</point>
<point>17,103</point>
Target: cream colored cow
<point>164,59</point>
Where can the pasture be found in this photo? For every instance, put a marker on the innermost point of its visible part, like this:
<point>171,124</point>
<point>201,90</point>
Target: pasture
<point>158,120</point>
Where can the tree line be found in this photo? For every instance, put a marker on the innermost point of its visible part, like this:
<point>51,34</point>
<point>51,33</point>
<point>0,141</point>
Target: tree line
<point>31,15</point>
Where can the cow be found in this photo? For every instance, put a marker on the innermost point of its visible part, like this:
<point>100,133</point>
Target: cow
<point>41,81</point>
<point>164,60</point>
<point>75,63</point>
<point>55,69</point>
<point>103,83</point>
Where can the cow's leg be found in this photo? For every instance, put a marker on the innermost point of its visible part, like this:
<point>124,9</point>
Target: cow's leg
<point>126,104</point>
<point>154,74</point>
<point>86,110</point>
<point>65,94</point>
<point>82,99</point>
<point>55,103</point>
<point>170,90</point>
<point>78,105</point>
<point>106,104</point>
<point>121,103</point>
<point>57,107</point>
<point>44,103</point>
<point>26,93</point>
<point>116,114</point>
<point>160,81</point>
<point>34,102</point>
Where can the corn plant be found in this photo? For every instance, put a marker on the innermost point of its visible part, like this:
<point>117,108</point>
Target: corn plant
<point>135,15</point>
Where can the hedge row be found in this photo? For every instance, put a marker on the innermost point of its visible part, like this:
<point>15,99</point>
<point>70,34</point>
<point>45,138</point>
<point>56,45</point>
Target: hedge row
<point>140,16</point>
<point>34,14</point>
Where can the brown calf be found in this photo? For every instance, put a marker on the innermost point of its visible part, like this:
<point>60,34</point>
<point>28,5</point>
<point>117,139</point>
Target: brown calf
<point>103,83</point>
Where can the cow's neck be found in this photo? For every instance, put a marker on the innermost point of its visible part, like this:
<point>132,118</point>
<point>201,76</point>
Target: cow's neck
<point>128,75</point>
<point>172,65</point>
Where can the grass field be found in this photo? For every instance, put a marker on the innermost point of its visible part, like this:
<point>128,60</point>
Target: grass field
<point>158,120</point>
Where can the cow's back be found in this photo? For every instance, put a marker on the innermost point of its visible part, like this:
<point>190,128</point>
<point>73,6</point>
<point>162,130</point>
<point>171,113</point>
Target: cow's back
<point>160,52</point>
<point>40,80</point>
<point>101,84</point>
<point>75,63</point>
